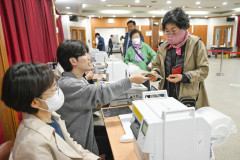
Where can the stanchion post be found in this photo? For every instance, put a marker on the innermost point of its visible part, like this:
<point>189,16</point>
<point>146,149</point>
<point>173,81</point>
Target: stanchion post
<point>221,74</point>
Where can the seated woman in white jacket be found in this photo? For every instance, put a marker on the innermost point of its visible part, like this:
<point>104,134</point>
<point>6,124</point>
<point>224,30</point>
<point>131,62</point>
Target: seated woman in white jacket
<point>42,135</point>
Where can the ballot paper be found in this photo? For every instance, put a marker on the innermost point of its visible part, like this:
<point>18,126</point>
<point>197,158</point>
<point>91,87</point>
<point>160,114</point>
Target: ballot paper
<point>156,75</point>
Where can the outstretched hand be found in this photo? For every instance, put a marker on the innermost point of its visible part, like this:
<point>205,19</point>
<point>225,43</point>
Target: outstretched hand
<point>152,78</point>
<point>139,78</point>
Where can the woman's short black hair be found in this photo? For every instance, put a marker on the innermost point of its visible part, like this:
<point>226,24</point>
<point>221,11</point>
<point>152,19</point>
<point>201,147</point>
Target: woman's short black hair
<point>69,49</point>
<point>135,31</point>
<point>176,16</point>
<point>23,82</point>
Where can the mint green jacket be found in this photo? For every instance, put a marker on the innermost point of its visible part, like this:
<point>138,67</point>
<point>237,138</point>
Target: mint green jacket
<point>146,51</point>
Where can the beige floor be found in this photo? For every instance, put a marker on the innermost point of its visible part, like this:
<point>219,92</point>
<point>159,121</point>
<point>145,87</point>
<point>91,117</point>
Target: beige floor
<point>226,99</point>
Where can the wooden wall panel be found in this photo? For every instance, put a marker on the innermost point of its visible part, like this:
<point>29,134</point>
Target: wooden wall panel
<point>155,39</point>
<point>147,39</point>
<point>8,116</point>
<point>200,31</point>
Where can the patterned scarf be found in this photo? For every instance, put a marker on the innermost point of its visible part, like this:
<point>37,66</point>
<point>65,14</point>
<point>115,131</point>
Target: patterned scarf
<point>137,46</point>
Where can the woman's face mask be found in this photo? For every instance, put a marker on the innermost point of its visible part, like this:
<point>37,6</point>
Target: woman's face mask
<point>55,102</point>
<point>136,40</point>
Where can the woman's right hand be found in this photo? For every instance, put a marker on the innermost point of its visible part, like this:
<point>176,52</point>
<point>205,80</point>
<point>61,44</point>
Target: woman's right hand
<point>139,78</point>
<point>152,78</point>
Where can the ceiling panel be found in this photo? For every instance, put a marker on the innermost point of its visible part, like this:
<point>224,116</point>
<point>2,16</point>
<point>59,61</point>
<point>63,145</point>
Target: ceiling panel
<point>146,8</point>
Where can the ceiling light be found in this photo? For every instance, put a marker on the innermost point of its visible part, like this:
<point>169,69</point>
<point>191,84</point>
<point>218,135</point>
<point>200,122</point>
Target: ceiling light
<point>189,16</point>
<point>147,6</point>
<point>137,1</point>
<point>134,16</point>
<point>215,7</point>
<point>199,7</point>
<point>115,11</point>
<point>170,6</point>
<point>114,16</point>
<point>224,3</point>
<point>84,5</point>
<point>183,6</point>
<point>198,2</point>
<point>169,2</point>
<point>158,12</point>
<point>237,9</point>
<point>103,0</point>
<point>129,5</point>
<point>67,7</point>
<point>197,12</point>
<point>153,16</point>
<point>206,16</point>
<point>233,14</point>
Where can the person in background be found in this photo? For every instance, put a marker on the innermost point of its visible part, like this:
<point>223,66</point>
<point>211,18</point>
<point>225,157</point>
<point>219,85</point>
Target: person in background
<point>42,135</point>
<point>127,41</point>
<point>121,43</point>
<point>181,61</point>
<point>110,46</point>
<point>81,97</point>
<point>101,44</point>
<point>139,53</point>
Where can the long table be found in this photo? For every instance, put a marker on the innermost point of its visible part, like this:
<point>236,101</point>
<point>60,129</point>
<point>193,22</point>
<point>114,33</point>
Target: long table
<point>121,151</point>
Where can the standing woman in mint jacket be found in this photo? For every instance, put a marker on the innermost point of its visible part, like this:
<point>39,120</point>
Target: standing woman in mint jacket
<point>140,54</point>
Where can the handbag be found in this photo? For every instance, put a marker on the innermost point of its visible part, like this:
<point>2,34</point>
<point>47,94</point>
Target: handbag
<point>188,101</point>
<point>149,60</point>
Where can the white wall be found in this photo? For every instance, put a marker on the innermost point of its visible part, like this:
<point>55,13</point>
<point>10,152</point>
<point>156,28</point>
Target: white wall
<point>211,22</point>
<point>106,32</point>
<point>82,22</point>
<point>221,22</point>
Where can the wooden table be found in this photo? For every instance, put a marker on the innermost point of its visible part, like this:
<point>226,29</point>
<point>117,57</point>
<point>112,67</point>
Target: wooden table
<point>121,151</point>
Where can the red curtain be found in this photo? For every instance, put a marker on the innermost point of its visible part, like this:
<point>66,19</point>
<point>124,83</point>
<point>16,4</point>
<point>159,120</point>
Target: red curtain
<point>2,138</point>
<point>29,30</point>
<point>238,32</point>
<point>60,29</point>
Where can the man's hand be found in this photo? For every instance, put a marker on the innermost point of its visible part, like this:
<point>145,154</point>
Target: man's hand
<point>139,78</point>
<point>174,78</point>
<point>89,75</point>
<point>152,78</point>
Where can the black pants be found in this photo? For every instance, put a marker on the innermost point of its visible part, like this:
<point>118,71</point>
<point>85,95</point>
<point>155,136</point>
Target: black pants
<point>110,51</point>
<point>103,142</point>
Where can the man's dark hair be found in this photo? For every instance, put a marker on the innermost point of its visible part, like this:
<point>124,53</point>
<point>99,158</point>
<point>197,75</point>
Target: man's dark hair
<point>176,16</point>
<point>97,34</point>
<point>131,21</point>
<point>135,31</point>
<point>111,36</point>
<point>70,49</point>
<point>23,82</point>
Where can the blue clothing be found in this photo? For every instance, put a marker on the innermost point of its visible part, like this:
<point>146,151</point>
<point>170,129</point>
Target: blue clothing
<point>55,125</point>
<point>101,44</point>
<point>128,43</point>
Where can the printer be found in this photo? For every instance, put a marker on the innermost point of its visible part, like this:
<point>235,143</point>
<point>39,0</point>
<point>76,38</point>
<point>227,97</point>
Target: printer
<point>117,70</point>
<point>134,93</point>
<point>99,67</point>
<point>165,129</point>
